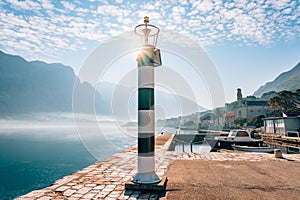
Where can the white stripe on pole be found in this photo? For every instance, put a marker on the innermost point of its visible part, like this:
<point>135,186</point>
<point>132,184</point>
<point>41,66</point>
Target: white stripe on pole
<point>146,164</point>
<point>146,77</point>
<point>146,121</point>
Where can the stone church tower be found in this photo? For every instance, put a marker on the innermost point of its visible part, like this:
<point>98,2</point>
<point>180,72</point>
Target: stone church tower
<point>239,94</point>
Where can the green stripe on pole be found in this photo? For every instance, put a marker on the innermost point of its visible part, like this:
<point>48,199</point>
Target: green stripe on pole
<point>146,145</point>
<point>146,99</point>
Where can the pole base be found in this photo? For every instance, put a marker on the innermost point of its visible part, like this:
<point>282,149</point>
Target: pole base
<point>158,187</point>
<point>146,178</point>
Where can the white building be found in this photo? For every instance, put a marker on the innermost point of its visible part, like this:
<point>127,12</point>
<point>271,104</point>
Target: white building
<point>282,125</point>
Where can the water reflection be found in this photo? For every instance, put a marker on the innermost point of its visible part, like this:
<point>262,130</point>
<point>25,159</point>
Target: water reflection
<point>284,148</point>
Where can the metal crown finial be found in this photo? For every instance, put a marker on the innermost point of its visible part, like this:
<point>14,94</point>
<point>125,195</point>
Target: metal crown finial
<point>148,31</point>
<point>146,19</point>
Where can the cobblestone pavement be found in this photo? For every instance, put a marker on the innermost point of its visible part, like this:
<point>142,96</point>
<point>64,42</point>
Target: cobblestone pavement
<point>106,179</point>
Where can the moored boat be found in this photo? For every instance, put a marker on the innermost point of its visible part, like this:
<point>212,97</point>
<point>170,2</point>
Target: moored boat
<point>236,137</point>
<point>253,149</point>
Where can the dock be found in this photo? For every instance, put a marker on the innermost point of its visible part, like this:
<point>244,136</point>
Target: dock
<point>106,179</point>
<point>282,140</point>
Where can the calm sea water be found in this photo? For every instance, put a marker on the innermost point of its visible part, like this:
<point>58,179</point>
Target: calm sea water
<point>185,145</point>
<point>34,154</point>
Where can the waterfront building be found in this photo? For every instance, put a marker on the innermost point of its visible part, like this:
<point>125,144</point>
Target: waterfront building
<point>287,125</point>
<point>247,107</point>
<point>229,119</point>
<point>250,108</point>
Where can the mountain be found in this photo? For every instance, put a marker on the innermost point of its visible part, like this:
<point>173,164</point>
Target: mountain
<point>38,87</point>
<point>29,87</point>
<point>124,102</point>
<point>289,80</point>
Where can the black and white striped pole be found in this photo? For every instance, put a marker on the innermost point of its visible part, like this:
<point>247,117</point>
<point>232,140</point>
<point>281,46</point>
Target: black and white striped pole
<point>147,59</point>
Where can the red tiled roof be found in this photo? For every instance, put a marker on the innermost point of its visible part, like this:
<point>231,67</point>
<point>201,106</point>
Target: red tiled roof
<point>229,114</point>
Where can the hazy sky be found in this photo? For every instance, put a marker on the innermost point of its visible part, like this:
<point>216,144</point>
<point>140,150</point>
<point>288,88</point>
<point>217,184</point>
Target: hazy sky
<point>250,42</point>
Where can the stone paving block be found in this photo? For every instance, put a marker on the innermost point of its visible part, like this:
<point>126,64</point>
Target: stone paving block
<point>119,187</point>
<point>118,182</point>
<point>116,179</point>
<point>62,188</point>
<point>115,194</point>
<point>84,190</point>
<point>69,192</point>
<point>110,198</point>
<point>77,187</point>
<point>107,190</point>
<point>127,178</point>
<point>102,195</point>
<point>51,194</point>
<point>99,182</point>
<point>95,191</point>
<point>76,195</point>
<point>53,187</point>
<point>99,187</point>
<point>111,186</point>
<point>59,198</point>
<point>71,183</point>
<point>121,197</point>
<point>90,185</point>
<point>45,198</point>
<point>99,176</point>
<point>89,196</point>
<point>160,172</point>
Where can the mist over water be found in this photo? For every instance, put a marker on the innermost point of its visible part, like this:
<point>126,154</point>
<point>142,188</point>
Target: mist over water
<point>36,150</point>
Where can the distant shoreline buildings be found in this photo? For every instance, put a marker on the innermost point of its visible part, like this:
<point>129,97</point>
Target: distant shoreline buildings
<point>245,112</point>
<point>246,108</point>
<point>238,113</point>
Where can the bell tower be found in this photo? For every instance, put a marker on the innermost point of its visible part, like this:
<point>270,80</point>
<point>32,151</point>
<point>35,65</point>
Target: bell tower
<point>239,94</point>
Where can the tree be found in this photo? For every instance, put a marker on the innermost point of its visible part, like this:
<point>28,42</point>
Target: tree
<point>218,114</point>
<point>240,121</point>
<point>286,100</point>
<point>250,98</point>
<point>298,98</point>
<point>189,123</point>
<point>268,95</point>
<point>206,117</point>
<point>255,121</point>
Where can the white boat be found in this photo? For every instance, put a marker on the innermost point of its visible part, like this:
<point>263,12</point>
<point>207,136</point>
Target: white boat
<point>253,149</point>
<point>235,137</point>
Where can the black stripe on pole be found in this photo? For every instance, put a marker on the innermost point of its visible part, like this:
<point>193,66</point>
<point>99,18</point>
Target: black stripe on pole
<point>146,145</point>
<point>146,99</point>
